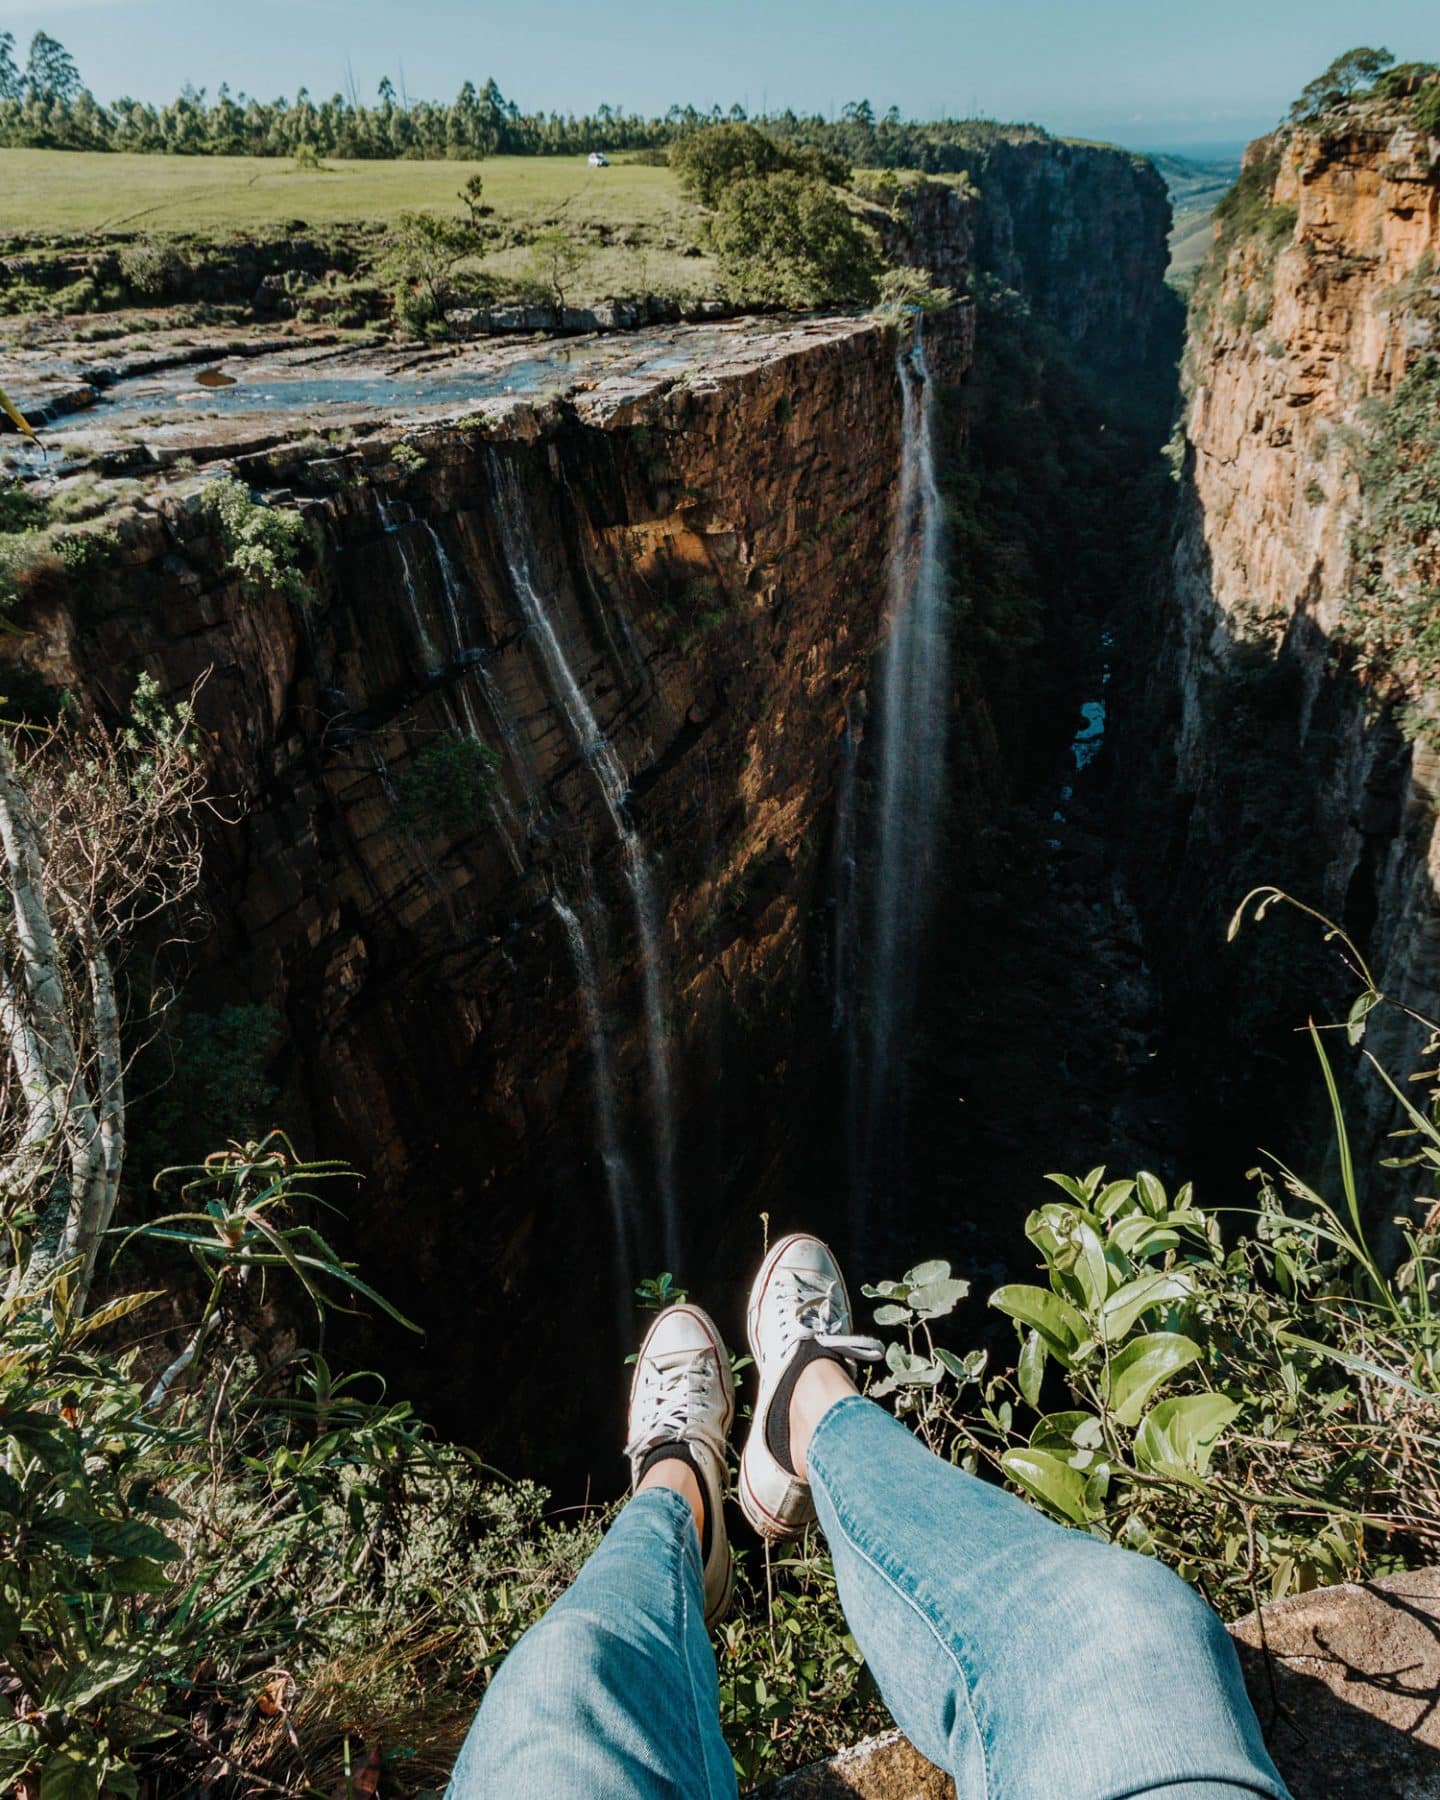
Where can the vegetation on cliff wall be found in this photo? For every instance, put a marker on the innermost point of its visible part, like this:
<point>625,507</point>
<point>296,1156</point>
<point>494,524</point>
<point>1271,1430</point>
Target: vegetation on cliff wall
<point>1295,612</point>
<point>243,1566</point>
<point>262,545</point>
<point>1365,74</point>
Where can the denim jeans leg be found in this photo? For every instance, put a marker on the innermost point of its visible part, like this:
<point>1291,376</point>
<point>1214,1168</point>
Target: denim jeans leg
<point>1030,1660</point>
<point>613,1694</point>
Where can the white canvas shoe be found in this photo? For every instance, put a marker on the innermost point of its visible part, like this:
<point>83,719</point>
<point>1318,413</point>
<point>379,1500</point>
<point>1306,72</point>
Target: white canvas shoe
<point>683,1392</point>
<point>798,1307</point>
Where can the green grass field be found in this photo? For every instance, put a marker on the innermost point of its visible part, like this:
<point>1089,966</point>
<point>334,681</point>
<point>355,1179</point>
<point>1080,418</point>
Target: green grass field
<point>642,235</point>
<point>80,191</point>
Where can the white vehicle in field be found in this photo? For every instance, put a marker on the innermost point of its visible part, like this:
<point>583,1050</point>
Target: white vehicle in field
<point>597,159</point>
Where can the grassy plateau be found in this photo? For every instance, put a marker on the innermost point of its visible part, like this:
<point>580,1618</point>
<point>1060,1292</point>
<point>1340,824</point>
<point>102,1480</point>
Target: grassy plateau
<point>639,231</point>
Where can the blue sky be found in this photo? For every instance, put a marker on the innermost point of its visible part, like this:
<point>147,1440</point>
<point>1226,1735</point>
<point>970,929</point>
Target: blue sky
<point>1144,72</point>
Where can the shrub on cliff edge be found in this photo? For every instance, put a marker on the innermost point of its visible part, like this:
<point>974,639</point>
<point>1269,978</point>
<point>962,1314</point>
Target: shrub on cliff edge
<point>445,789</point>
<point>245,1568</point>
<point>787,240</point>
<point>1392,612</point>
<point>709,161</point>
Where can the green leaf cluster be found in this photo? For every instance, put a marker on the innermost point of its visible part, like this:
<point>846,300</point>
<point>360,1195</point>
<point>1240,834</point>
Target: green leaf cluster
<point>1348,75</point>
<point>1203,1401</point>
<point>443,792</point>
<point>709,161</point>
<point>168,1544</point>
<point>789,240</point>
<point>264,545</point>
<point>1392,612</point>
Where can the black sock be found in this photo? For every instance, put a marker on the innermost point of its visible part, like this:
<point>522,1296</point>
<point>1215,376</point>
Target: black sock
<point>777,1420</point>
<point>681,1452</point>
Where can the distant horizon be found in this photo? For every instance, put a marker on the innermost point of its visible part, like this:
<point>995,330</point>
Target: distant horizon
<point>1166,80</point>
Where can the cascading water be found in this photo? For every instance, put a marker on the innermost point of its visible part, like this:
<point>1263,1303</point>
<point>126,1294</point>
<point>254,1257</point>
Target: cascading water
<point>842,884</point>
<point>407,577</point>
<point>614,787</point>
<point>908,774</point>
<point>619,1185</point>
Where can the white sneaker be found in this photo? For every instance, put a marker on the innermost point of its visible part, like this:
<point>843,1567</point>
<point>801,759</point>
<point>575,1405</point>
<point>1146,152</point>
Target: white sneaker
<point>683,1391</point>
<point>797,1299</point>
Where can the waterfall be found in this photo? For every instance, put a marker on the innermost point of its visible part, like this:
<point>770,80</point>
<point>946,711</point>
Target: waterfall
<point>909,784</point>
<point>611,778</point>
<point>619,1188</point>
<point>842,883</point>
<point>502,813</point>
<point>407,578</point>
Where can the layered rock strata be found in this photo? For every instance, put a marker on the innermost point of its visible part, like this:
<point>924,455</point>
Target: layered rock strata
<point>698,555</point>
<point>1288,766</point>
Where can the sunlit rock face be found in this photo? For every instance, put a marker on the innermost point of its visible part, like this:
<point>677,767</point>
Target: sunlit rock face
<point>1287,768</point>
<point>651,600</point>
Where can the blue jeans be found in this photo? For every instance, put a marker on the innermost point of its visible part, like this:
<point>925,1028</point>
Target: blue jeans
<point>1031,1661</point>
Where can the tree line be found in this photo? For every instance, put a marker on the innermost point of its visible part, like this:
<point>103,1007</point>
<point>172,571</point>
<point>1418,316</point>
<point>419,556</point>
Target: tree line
<point>45,104</point>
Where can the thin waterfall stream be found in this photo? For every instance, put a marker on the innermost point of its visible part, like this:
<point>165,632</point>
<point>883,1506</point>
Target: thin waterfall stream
<point>589,960</point>
<point>392,528</point>
<point>619,1187</point>
<point>600,757</point>
<point>908,774</point>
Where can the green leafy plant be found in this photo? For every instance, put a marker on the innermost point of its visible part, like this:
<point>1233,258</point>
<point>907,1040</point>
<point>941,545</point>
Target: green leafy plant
<point>655,1292</point>
<point>445,789</point>
<point>788,240</point>
<point>906,291</point>
<point>712,160</point>
<point>1348,74</point>
<point>1392,612</point>
<point>1210,1405</point>
<point>84,551</point>
<point>263,545</point>
<point>245,1555</point>
<point>793,1680</point>
<point>557,258</point>
<point>430,258</point>
<point>153,270</point>
<point>206,1078</point>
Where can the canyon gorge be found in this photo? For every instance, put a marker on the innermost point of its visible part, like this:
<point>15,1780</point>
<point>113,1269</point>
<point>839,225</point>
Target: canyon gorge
<point>871,738</point>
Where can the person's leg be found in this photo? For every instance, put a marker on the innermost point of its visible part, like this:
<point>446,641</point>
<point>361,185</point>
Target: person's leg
<point>1031,1661</point>
<point>614,1692</point>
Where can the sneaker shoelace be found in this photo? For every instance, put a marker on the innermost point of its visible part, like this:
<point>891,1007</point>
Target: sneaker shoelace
<point>676,1401</point>
<point>811,1307</point>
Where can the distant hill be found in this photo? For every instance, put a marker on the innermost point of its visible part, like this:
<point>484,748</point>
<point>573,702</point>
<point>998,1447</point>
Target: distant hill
<point>1195,187</point>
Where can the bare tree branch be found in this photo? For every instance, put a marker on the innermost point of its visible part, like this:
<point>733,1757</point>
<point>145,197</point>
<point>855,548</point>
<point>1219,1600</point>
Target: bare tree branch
<point>98,835</point>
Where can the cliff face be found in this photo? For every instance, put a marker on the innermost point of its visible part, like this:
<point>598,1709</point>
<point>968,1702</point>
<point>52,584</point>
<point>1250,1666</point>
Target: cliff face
<point>1320,296</point>
<point>667,586</point>
<point>1081,231</point>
